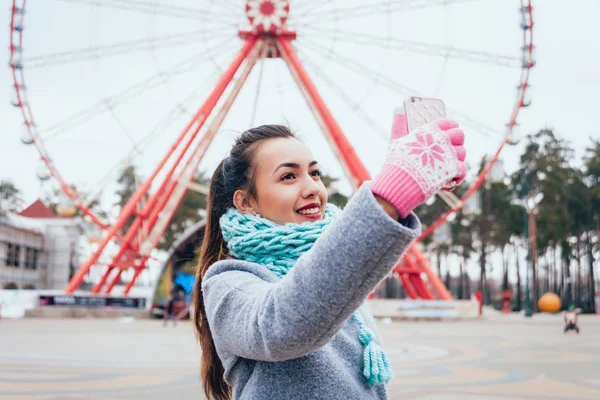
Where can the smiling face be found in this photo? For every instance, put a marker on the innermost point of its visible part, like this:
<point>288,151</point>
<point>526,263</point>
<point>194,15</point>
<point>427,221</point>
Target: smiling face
<point>288,185</point>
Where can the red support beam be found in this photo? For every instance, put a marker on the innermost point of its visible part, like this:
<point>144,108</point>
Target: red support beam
<point>159,198</point>
<point>114,281</point>
<point>409,274</point>
<point>130,206</point>
<point>203,145</point>
<point>415,279</point>
<point>348,155</point>
<point>137,273</point>
<point>408,287</point>
<point>420,287</point>
<point>434,280</point>
<point>401,269</point>
<point>165,208</point>
<point>98,286</point>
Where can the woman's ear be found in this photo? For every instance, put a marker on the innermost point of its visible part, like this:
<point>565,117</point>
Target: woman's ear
<point>243,202</point>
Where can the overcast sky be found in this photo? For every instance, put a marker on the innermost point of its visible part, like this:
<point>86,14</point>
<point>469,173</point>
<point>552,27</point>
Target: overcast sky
<point>565,82</point>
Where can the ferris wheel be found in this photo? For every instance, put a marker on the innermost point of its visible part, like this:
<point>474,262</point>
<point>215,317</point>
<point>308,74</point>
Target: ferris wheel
<point>104,84</point>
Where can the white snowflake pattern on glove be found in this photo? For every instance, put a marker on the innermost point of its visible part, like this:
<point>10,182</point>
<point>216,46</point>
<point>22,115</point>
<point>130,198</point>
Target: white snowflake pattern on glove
<point>421,163</point>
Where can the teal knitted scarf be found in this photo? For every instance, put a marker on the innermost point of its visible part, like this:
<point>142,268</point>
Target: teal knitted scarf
<point>256,239</point>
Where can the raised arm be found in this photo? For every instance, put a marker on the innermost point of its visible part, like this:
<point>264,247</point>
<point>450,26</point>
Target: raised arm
<point>291,317</point>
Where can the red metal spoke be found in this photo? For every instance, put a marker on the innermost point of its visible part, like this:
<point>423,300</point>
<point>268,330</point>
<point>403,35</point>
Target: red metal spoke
<point>137,273</point>
<point>156,9</point>
<point>258,84</point>
<point>173,193</point>
<point>309,8</point>
<point>350,102</point>
<point>355,170</point>
<point>180,68</point>
<point>528,24</point>
<point>148,138</point>
<point>408,286</point>
<point>435,281</point>
<point>157,199</point>
<point>174,197</point>
<point>228,7</point>
<point>371,8</point>
<point>391,83</point>
<point>114,280</point>
<point>347,153</point>
<point>130,207</point>
<point>121,48</point>
<point>279,91</point>
<point>16,44</point>
<point>366,39</point>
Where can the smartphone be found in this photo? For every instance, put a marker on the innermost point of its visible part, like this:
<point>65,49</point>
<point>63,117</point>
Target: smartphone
<point>421,110</point>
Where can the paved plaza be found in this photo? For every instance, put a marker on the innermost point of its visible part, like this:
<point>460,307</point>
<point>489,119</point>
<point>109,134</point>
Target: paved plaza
<point>501,357</point>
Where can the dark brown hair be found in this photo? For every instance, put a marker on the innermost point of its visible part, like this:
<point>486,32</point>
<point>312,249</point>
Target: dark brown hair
<point>233,173</point>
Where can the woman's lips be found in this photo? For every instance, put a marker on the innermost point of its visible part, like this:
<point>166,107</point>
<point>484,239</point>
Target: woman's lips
<point>311,211</point>
<point>317,215</point>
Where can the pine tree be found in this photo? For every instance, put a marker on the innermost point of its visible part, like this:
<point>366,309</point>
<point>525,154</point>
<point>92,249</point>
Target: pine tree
<point>10,197</point>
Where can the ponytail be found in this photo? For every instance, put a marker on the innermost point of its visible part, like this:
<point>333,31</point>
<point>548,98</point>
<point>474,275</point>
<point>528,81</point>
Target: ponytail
<point>213,249</point>
<point>233,173</point>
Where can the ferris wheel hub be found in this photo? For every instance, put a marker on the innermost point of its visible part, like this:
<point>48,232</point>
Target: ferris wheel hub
<point>267,16</point>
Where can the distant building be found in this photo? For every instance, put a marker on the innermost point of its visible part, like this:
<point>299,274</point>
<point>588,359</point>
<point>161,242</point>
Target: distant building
<point>38,249</point>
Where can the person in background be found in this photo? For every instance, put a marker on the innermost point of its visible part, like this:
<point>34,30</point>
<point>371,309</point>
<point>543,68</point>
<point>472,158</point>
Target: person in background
<point>571,319</point>
<point>169,308</point>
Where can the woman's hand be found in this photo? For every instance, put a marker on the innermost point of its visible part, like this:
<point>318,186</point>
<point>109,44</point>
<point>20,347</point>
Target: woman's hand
<point>420,163</point>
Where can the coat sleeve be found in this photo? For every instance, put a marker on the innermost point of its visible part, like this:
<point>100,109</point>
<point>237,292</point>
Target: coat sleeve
<point>252,318</point>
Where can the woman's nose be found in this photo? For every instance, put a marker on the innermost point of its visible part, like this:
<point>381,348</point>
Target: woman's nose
<point>310,187</point>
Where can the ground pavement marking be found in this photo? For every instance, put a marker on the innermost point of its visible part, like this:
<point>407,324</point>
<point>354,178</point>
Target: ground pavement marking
<point>91,385</point>
<point>538,388</point>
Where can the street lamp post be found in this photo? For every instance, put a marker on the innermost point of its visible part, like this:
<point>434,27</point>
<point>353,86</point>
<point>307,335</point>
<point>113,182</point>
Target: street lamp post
<point>528,308</point>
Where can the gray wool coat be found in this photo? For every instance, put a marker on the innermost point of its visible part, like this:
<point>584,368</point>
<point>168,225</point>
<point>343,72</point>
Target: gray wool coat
<point>292,337</point>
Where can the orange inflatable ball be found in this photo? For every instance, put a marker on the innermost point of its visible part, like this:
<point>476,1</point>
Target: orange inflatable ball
<point>549,302</point>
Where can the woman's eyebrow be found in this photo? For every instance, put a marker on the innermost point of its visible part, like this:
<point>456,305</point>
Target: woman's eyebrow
<point>293,165</point>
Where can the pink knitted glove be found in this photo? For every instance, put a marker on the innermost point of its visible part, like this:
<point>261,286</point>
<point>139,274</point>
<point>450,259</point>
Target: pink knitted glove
<point>421,163</point>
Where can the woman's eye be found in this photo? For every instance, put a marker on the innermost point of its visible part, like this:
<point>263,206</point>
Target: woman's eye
<point>316,172</point>
<point>287,176</point>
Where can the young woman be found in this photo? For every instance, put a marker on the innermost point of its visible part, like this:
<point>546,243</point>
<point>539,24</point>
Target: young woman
<point>282,274</point>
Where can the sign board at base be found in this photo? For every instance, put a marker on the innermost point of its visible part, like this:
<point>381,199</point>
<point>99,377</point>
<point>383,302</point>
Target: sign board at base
<point>66,300</point>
